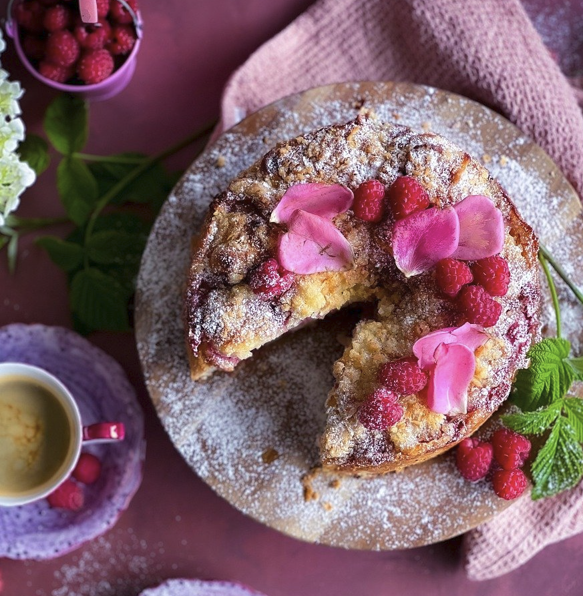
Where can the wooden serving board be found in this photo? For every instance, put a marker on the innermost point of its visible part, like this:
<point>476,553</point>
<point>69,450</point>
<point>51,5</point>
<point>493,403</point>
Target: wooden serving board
<point>251,435</point>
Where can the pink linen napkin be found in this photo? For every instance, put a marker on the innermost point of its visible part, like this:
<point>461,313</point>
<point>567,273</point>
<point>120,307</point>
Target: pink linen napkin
<point>487,50</point>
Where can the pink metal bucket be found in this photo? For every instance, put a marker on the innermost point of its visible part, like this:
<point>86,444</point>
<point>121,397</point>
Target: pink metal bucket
<point>109,87</point>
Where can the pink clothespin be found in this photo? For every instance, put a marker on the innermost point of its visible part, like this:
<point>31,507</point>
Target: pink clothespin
<point>88,9</point>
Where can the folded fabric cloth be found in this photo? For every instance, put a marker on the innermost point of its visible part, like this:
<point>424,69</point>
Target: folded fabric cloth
<point>487,50</point>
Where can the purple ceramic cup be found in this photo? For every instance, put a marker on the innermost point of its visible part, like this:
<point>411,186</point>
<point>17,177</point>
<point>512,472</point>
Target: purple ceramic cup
<point>109,87</point>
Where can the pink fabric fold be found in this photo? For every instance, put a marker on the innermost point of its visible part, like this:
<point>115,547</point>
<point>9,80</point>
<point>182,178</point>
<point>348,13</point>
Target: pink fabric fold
<point>487,50</point>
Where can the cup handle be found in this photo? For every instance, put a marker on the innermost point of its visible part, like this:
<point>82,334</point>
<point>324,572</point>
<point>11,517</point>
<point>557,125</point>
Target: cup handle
<point>104,432</point>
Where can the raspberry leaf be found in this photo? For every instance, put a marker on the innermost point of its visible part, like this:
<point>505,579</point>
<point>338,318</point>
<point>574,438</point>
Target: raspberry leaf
<point>573,407</point>
<point>77,189</point>
<point>548,377</point>
<point>116,247</point>
<point>533,423</point>
<point>34,150</point>
<point>66,123</point>
<point>577,365</point>
<point>99,300</point>
<point>559,464</point>
<point>66,255</point>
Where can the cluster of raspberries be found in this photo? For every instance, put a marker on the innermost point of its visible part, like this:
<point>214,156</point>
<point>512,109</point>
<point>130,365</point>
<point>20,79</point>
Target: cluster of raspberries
<point>64,49</point>
<point>488,277</point>
<point>70,494</point>
<point>500,460</point>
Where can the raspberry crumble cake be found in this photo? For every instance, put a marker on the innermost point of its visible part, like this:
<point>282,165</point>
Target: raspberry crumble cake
<point>374,212</point>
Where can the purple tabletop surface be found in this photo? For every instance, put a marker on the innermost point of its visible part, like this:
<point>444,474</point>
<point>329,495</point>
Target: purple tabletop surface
<point>176,526</point>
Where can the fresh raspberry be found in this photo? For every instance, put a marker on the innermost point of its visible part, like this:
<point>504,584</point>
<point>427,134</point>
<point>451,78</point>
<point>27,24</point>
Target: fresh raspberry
<point>95,66</point>
<point>93,37</point>
<point>509,484</point>
<point>68,495</point>
<point>34,47</point>
<point>493,275</point>
<point>478,306</point>
<point>56,18</point>
<point>29,16</point>
<point>511,450</point>
<point>102,8</point>
<point>473,459</point>
<point>88,469</point>
<point>380,410</point>
<point>267,280</point>
<point>451,275</point>
<point>54,72</point>
<point>119,14</point>
<point>122,41</point>
<point>369,201</point>
<point>407,196</point>
<point>404,377</point>
<point>62,48</point>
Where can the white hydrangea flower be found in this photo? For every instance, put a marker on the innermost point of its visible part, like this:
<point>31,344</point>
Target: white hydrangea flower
<point>15,175</point>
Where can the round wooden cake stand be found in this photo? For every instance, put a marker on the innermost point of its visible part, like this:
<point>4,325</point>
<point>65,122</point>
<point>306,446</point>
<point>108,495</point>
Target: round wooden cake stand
<point>252,435</point>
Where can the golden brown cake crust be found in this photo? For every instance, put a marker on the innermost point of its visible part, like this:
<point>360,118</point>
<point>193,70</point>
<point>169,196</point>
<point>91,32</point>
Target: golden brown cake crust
<point>226,321</point>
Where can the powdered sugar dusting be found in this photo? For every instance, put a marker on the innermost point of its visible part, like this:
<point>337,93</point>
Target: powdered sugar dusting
<point>275,400</point>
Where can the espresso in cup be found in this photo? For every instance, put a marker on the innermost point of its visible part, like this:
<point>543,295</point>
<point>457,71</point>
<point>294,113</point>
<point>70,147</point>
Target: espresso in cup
<point>36,437</point>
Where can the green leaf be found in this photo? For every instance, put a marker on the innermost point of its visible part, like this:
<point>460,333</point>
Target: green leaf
<point>559,464</point>
<point>533,423</point>
<point>548,377</point>
<point>577,366</point>
<point>77,189</point>
<point>4,241</point>
<point>153,186</point>
<point>66,123</point>
<point>116,247</point>
<point>574,411</point>
<point>34,150</point>
<point>12,253</point>
<point>66,255</point>
<point>99,301</point>
<point>122,222</point>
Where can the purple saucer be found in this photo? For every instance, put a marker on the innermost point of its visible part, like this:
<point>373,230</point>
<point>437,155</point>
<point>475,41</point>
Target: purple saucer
<point>103,393</point>
<point>197,587</point>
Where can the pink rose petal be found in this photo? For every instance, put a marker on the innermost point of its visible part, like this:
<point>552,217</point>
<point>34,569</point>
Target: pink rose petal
<point>447,391</point>
<point>481,229</point>
<point>424,238</point>
<point>469,335</point>
<point>325,200</point>
<point>312,245</point>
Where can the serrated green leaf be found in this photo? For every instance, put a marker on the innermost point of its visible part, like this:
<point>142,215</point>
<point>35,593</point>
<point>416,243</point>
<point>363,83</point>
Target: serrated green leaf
<point>77,189</point>
<point>34,150</point>
<point>153,186</point>
<point>66,123</point>
<point>574,411</point>
<point>533,423</point>
<point>122,222</point>
<point>559,464</point>
<point>66,255</point>
<point>99,301</point>
<point>548,377</point>
<point>577,366</point>
<point>113,247</point>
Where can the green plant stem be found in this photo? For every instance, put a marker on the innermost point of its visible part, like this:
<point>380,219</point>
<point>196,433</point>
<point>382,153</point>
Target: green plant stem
<point>29,224</point>
<point>553,291</point>
<point>137,172</point>
<point>111,158</point>
<point>561,272</point>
